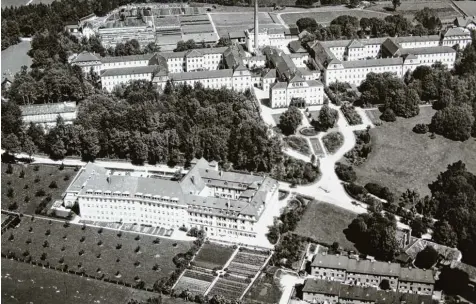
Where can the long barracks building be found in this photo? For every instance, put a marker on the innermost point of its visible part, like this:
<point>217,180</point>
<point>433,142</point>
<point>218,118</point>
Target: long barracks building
<point>224,204</point>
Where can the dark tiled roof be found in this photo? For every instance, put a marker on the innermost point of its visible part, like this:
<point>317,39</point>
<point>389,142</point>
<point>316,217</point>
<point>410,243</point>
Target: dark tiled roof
<point>130,71</point>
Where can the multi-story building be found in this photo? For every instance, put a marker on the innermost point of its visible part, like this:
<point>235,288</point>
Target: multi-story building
<point>113,77</point>
<point>457,36</point>
<point>351,60</point>
<point>47,114</point>
<point>266,37</point>
<point>224,204</point>
<point>333,292</point>
<point>466,22</point>
<point>372,273</point>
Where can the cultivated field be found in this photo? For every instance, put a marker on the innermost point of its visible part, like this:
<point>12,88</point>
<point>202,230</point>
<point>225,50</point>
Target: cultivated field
<point>24,283</point>
<point>401,159</point>
<point>14,57</point>
<point>27,190</point>
<point>194,281</point>
<point>408,8</point>
<point>102,253</point>
<point>325,223</point>
<point>213,256</point>
<point>326,17</point>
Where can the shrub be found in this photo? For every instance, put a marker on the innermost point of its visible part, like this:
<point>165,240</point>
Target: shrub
<point>98,256</point>
<point>12,206</point>
<point>420,128</point>
<point>11,237</point>
<point>26,187</point>
<point>100,230</point>
<point>355,190</point>
<point>46,244</point>
<point>9,169</point>
<point>137,249</point>
<point>81,252</point>
<point>82,239</point>
<point>345,172</point>
<point>36,168</point>
<point>26,199</point>
<point>118,246</point>
<point>43,256</point>
<point>156,241</point>
<point>48,232</point>
<point>53,185</point>
<point>61,167</point>
<point>10,192</point>
<point>381,192</point>
<point>66,224</point>
<point>22,173</point>
<point>351,114</point>
<point>333,141</point>
<point>37,179</point>
<point>66,178</point>
<point>100,243</point>
<point>426,258</point>
<point>388,115</point>
<point>119,234</point>
<point>136,263</point>
<point>137,238</point>
<point>40,192</point>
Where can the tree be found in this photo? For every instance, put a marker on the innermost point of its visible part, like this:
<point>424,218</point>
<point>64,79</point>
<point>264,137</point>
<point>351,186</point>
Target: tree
<point>405,103</point>
<point>420,128</point>
<point>429,19</point>
<point>418,227</point>
<point>446,99</point>
<point>385,284</point>
<point>11,118</point>
<point>388,115</point>
<point>426,258</point>
<point>327,117</point>
<point>396,3</point>
<point>307,23</point>
<point>444,234</point>
<point>223,41</point>
<point>28,146</point>
<point>290,120</point>
<point>453,281</point>
<point>11,144</point>
<point>453,122</point>
<point>90,145</point>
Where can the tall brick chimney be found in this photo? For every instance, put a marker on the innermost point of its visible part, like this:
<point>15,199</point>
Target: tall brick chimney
<point>256,26</point>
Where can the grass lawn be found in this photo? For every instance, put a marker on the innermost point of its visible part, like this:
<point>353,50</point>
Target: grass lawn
<point>401,159</point>
<point>325,223</point>
<point>374,116</point>
<point>328,16</point>
<point>14,57</point>
<point>316,145</point>
<point>100,255</point>
<point>299,144</point>
<point>45,174</point>
<point>24,283</point>
<point>231,20</point>
<point>212,256</point>
<point>333,141</point>
<point>264,290</point>
<point>409,8</point>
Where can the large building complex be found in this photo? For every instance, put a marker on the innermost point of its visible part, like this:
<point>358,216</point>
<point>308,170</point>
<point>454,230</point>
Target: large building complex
<point>333,292</point>
<point>371,273</point>
<point>224,204</point>
<point>351,60</point>
<point>284,76</point>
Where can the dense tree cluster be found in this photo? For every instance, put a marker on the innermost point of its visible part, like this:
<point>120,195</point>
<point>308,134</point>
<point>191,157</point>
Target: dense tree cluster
<point>349,27</point>
<point>27,20</point>
<point>327,118</point>
<point>454,205</point>
<point>387,89</point>
<point>290,120</point>
<point>374,234</point>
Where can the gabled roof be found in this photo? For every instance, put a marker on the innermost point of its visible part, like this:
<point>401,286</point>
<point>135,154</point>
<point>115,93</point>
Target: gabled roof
<point>456,31</point>
<point>236,35</point>
<point>390,46</point>
<point>194,53</point>
<point>296,78</point>
<point>296,47</point>
<point>130,71</point>
<point>355,44</point>
<point>270,74</point>
<point>464,21</point>
<point>86,57</point>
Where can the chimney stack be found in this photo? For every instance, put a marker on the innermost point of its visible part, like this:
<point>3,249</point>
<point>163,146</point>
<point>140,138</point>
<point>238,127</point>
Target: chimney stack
<point>256,26</point>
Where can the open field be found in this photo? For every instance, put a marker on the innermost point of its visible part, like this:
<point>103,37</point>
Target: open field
<point>264,290</point>
<point>24,283</point>
<point>409,8</point>
<point>97,252</point>
<point>35,180</point>
<point>325,223</point>
<point>326,17</point>
<point>213,256</point>
<point>14,57</point>
<point>468,7</point>
<point>8,3</point>
<point>401,159</point>
<point>233,19</point>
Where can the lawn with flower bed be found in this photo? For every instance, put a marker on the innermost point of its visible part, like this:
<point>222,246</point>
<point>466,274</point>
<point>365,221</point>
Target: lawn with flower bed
<point>105,254</point>
<point>212,256</point>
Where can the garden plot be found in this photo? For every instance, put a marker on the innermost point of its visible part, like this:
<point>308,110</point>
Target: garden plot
<point>194,281</point>
<point>213,256</point>
<point>228,288</point>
